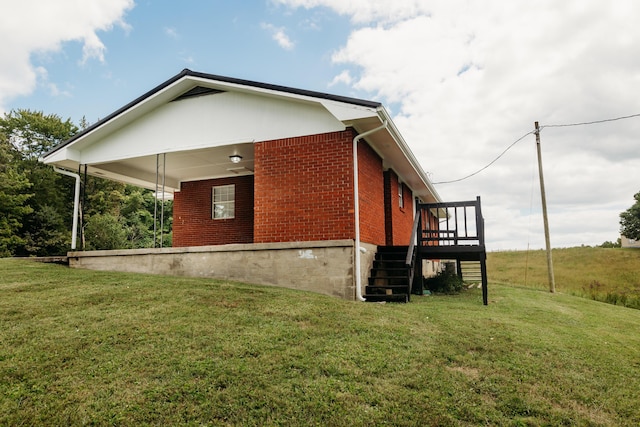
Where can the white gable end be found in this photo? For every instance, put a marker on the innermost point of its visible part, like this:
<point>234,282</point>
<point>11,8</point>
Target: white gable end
<point>190,126</point>
<point>210,121</point>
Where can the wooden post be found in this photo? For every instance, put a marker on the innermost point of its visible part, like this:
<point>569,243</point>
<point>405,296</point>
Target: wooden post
<point>483,254</point>
<point>552,282</point>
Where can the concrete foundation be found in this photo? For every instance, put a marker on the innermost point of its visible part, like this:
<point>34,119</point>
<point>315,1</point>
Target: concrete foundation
<point>325,267</point>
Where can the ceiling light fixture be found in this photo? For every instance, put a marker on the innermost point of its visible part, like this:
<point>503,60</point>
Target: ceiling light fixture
<point>235,158</point>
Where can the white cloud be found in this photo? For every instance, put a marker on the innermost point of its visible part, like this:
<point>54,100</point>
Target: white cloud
<point>279,35</point>
<point>34,26</point>
<point>171,32</point>
<point>469,78</point>
<point>43,78</point>
<point>343,78</point>
<point>363,11</point>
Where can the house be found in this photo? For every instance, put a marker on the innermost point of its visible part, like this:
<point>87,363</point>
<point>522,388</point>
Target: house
<point>271,184</point>
<point>629,243</point>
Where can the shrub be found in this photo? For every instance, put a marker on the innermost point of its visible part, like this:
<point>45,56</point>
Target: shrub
<point>105,232</point>
<point>447,282</point>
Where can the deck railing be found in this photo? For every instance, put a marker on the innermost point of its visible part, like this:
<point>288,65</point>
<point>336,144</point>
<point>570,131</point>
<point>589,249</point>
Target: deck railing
<point>452,224</point>
<point>452,231</point>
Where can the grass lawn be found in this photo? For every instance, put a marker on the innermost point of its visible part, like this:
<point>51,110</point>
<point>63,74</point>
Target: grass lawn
<point>609,275</point>
<point>85,347</point>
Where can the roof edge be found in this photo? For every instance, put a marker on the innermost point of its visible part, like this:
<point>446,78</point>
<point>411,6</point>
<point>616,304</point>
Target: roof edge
<point>402,144</point>
<point>285,89</point>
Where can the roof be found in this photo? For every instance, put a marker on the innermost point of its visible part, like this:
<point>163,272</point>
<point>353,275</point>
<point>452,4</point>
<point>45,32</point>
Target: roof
<point>197,120</point>
<point>187,72</point>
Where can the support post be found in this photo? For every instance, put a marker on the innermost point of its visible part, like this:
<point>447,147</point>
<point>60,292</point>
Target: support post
<point>164,171</point>
<point>155,205</point>
<point>83,204</point>
<point>483,255</point>
<point>76,204</point>
<point>483,273</point>
<point>547,239</point>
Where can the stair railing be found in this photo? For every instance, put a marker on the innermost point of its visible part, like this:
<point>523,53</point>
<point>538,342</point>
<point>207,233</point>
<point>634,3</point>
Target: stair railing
<point>411,259</point>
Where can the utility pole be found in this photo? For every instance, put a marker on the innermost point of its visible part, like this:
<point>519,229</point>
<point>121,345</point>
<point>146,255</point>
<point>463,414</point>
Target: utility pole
<point>552,281</point>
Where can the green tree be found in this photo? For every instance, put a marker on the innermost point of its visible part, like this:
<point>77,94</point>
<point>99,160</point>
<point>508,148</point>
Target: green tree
<point>630,220</point>
<point>33,133</point>
<point>37,203</point>
<point>43,228</point>
<point>14,194</point>
<point>609,245</point>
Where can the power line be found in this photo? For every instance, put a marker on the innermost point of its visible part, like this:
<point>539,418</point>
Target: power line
<point>594,122</point>
<point>490,163</point>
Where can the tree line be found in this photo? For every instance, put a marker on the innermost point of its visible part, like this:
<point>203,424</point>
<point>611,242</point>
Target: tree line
<point>36,203</point>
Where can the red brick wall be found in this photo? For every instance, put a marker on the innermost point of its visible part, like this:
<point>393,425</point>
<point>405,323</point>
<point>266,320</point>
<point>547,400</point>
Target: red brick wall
<point>193,224</point>
<point>304,188</point>
<point>398,220</point>
<point>371,182</point>
<point>388,223</point>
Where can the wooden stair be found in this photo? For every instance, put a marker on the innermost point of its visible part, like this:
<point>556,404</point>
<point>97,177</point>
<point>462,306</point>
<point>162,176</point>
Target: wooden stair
<point>389,279</point>
<point>471,271</point>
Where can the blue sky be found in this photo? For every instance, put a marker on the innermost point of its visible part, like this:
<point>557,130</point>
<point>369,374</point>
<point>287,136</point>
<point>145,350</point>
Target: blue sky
<point>224,37</point>
<point>463,80</point>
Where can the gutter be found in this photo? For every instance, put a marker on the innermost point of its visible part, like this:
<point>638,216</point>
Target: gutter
<point>356,207</point>
<point>76,204</point>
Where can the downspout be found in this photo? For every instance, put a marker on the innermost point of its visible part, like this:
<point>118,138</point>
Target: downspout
<point>76,204</point>
<point>356,207</point>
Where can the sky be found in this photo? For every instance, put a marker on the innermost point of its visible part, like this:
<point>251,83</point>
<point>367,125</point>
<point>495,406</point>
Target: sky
<point>463,80</point>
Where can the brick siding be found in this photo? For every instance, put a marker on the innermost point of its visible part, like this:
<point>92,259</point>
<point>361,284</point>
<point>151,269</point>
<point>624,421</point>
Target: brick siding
<point>398,221</point>
<point>304,188</point>
<point>193,224</point>
<point>370,180</point>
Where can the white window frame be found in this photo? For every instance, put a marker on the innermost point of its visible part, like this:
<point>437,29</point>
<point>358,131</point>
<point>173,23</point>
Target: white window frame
<point>223,201</point>
<point>400,194</point>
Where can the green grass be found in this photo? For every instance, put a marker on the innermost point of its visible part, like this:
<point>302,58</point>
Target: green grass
<point>610,275</point>
<point>82,347</point>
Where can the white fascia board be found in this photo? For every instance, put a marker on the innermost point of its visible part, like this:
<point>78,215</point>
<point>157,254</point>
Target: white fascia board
<point>64,154</point>
<point>238,87</point>
<point>348,112</point>
<point>404,147</point>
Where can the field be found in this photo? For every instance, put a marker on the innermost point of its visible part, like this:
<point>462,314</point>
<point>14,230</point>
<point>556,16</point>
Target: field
<point>81,347</point>
<point>608,275</point>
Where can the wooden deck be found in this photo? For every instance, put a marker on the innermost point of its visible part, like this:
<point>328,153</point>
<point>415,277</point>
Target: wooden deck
<point>453,231</point>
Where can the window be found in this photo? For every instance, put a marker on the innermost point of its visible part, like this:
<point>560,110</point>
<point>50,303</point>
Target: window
<point>400,195</point>
<point>224,202</point>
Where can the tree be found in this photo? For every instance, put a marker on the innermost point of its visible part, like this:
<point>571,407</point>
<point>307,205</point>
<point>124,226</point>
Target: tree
<point>33,133</point>
<point>36,202</point>
<point>609,245</point>
<point>14,193</point>
<point>46,220</point>
<point>630,220</point>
